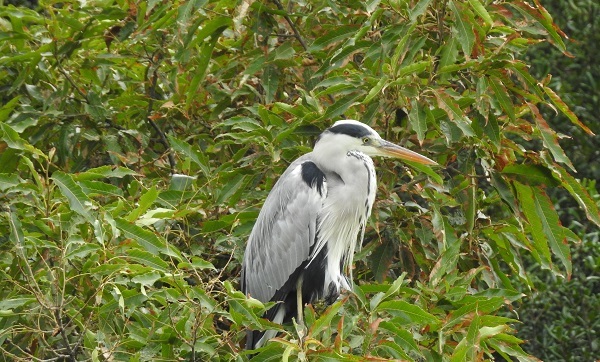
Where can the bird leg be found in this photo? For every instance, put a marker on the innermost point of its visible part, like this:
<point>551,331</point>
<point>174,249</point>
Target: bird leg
<point>300,327</point>
<point>299,300</point>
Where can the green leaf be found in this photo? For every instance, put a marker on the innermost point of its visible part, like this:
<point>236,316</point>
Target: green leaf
<point>181,182</point>
<point>8,107</point>
<point>7,181</point>
<point>14,141</point>
<point>533,175</point>
<point>324,320</point>
<point>16,231</point>
<point>78,200</point>
<point>82,251</point>
<point>401,336</point>
<point>536,226</point>
<point>395,287</point>
<point>454,112</point>
<point>148,259</point>
<point>488,127</point>
<point>232,190</point>
<point>340,106</point>
<point>407,313</point>
<point>144,203</point>
<point>200,264</point>
<point>564,108</point>
<point>464,351</point>
<point>338,34</point>
<point>376,90</point>
<point>146,279</point>
<point>195,155</point>
<point>414,68</point>
<point>463,20</point>
<point>502,97</point>
<point>381,258</point>
<point>147,239</point>
<point>447,261</point>
<point>283,52</point>
<point>579,193</point>
<point>419,9</point>
<point>270,82</point>
<point>553,229</point>
<point>418,120</point>
<point>213,29</point>
<point>104,172</point>
<point>482,12</point>
<point>504,190</point>
<point>484,305</point>
<point>541,15</point>
<point>17,302</point>
<point>427,170</point>
<point>550,138</point>
<point>100,188</point>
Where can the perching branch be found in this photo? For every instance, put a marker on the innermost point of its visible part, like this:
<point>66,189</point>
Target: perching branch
<point>291,23</point>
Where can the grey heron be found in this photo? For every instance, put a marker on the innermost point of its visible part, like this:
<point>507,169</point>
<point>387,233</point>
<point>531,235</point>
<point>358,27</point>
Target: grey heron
<point>303,241</point>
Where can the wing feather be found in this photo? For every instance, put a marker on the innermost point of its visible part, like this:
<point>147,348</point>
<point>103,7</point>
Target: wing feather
<point>284,232</point>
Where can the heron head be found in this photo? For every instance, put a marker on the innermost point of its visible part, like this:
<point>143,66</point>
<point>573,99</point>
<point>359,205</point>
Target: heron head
<point>350,135</point>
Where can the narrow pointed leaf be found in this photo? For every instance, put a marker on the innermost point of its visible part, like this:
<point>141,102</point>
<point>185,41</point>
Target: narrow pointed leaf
<point>418,120</point>
<point>381,259</point>
<point>78,200</point>
<point>333,36</point>
<point>455,113</point>
<point>564,108</point>
<point>144,203</point>
<point>553,229</point>
<point>407,312</point>
<point>481,11</point>
<point>419,9</point>
<point>502,97</point>
<point>148,259</point>
<point>192,152</point>
<point>376,90</point>
<point>579,193</point>
<point>536,227</point>
<point>530,174</point>
<point>270,82</point>
<point>101,188</point>
<point>147,239</point>
<point>463,21</point>
<point>340,106</point>
<point>550,138</point>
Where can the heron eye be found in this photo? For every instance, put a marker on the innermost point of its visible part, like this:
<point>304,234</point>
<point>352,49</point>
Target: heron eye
<point>365,140</point>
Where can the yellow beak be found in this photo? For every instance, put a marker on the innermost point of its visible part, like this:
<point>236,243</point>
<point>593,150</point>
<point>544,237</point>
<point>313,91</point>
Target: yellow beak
<point>388,149</point>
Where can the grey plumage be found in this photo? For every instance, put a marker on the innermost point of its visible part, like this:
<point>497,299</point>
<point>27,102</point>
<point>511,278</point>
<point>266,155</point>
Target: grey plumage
<point>312,220</point>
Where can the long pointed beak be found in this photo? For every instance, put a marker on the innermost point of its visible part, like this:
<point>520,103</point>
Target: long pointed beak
<point>389,149</point>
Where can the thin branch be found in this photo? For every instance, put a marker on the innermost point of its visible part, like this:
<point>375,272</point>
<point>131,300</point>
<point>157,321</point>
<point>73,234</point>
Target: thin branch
<point>152,96</point>
<point>70,80</point>
<point>291,23</point>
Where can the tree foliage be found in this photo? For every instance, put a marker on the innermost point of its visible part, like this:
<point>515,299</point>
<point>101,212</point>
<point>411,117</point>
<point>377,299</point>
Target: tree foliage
<point>140,139</point>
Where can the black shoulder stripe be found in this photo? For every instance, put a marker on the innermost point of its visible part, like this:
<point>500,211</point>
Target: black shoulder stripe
<point>313,176</point>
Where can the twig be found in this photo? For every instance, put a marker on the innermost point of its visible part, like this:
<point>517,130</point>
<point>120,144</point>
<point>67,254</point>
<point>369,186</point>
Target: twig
<point>291,23</point>
<point>70,80</point>
<point>63,335</point>
<point>152,96</point>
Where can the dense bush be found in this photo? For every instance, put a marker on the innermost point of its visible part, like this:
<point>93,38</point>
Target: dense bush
<point>140,139</point>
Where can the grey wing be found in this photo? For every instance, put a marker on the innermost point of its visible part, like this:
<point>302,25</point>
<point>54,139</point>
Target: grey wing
<point>285,230</point>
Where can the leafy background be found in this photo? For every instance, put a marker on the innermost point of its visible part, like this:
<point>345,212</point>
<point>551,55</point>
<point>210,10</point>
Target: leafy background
<point>140,139</point>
